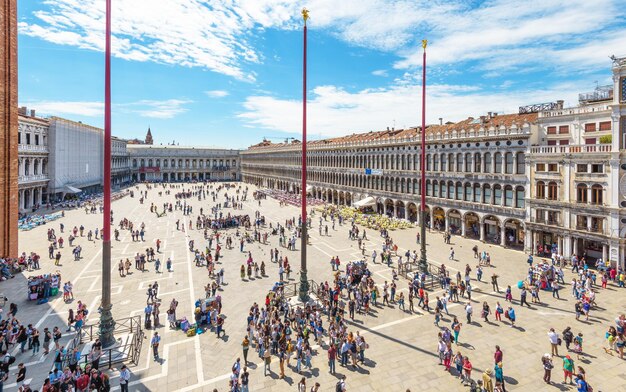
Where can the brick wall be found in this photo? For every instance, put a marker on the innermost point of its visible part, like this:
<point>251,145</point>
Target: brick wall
<point>8,128</point>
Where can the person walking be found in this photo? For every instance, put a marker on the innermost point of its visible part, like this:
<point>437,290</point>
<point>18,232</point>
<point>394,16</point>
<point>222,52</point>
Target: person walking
<point>546,361</point>
<point>124,378</point>
<point>245,346</point>
<point>156,339</point>
<point>554,342</point>
<point>267,361</point>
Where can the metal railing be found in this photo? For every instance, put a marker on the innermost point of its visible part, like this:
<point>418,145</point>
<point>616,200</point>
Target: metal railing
<point>130,325</point>
<point>408,271</point>
<point>293,289</point>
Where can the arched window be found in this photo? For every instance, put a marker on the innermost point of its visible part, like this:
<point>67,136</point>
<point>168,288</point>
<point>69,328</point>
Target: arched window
<point>143,163</point>
<point>498,163</point>
<point>450,190</point>
<point>497,195</point>
<point>540,190</point>
<point>444,190</point>
<point>459,162</point>
<point>468,162</point>
<point>149,162</point>
<point>477,193</point>
<point>487,166</point>
<point>520,194</point>
<point>429,188</point>
<point>158,163</point>
<point>521,163</point>
<point>508,196</point>
<point>508,159</point>
<point>477,163</point>
<point>444,162</point>
<point>581,193</point>
<point>450,162</point>
<point>553,191</point>
<point>165,163</point>
<point>173,163</point>
<point>436,162</point>
<point>435,188</point>
<point>134,163</point>
<point>468,192</point>
<point>459,191</point>
<point>428,162</point>
<point>596,194</point>
<point>487,194</point>
<point>36,167</point>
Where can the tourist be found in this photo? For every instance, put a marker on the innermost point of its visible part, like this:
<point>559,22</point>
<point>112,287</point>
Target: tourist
<point>546,360</point>
<point>554,342</point>
<point>156,339</point>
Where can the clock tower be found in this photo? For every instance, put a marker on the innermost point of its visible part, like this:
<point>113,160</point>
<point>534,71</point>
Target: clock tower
<point>149,137</point>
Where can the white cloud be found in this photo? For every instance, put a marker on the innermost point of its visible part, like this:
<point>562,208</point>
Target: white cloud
<point>380,72</point>
<point>144,108</point>
<point>333,111</point>
<point>158,109</point>
<point>216,93</point>
<point>217,35</point>
<point>61,108</point>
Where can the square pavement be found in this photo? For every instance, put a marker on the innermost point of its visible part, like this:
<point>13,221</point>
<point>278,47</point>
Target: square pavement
<point>402,353</point>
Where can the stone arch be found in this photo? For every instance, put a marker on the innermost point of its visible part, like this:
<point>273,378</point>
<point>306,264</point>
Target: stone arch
<point>491,226</point>
<point>471,221</point>
<point>439,218</point>
<point>514,233</point>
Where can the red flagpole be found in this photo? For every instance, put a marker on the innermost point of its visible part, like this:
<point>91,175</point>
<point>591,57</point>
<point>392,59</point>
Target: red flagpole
<point>423,260</point>
<point>303,291</point>
<point>107,324</point>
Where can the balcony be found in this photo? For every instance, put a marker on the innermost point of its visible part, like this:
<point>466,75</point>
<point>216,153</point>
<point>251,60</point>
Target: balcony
<point>32,178</point>
<point>32,148</point>
<point>571,149</point>
<point>546,221</point>
<point>593,229</point>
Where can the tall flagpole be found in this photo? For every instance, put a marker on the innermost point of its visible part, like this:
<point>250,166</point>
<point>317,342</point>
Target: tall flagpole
<point>303,292</point>
<point>107,324</point>
<point>423,263</point>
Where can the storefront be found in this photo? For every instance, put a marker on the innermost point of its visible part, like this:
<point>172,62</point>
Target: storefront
<point>514,234</point>
<point>492,230</point>
<point>455,222</point>
<point>472,225</point>
<point>439,219</point>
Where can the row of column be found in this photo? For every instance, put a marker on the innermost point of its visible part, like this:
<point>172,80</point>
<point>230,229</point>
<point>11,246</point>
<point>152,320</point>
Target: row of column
<point>30,197</point>
<point>566,245</point>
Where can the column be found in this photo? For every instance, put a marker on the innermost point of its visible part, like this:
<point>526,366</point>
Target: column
<point>482,231</point>
<point>575,246</point>
<point>20,198</point>
<point>589,224</point>
<point>447,220</point>
<point>567,247</point>
<point>588,195</point>
<point>559,245</point>
<point>605,253</point>
<point>432,220</point>
<point>463,228</point>
<point>502,235</point>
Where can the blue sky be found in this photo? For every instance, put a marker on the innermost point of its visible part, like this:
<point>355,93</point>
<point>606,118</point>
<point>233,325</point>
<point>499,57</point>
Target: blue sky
<point>228,72</point>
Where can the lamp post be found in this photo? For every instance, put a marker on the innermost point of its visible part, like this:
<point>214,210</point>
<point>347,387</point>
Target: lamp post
<point>423,263</point>
<point>303,292</point>
<point>107,324</point>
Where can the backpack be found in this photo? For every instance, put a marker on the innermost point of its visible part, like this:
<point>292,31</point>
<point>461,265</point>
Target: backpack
<point>339,387</point>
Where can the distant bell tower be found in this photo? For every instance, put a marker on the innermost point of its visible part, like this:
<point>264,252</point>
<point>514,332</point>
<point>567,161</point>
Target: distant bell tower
<point>149,137</point>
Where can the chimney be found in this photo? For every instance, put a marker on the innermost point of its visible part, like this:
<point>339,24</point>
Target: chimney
<point>22,110</point>
<point>32,112</point>
<point>387,128</point>
<point>559,104</point>
<point>489,114</point>
<point>482,119</point>
<point>495,114</point>
<point>440,120</point>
